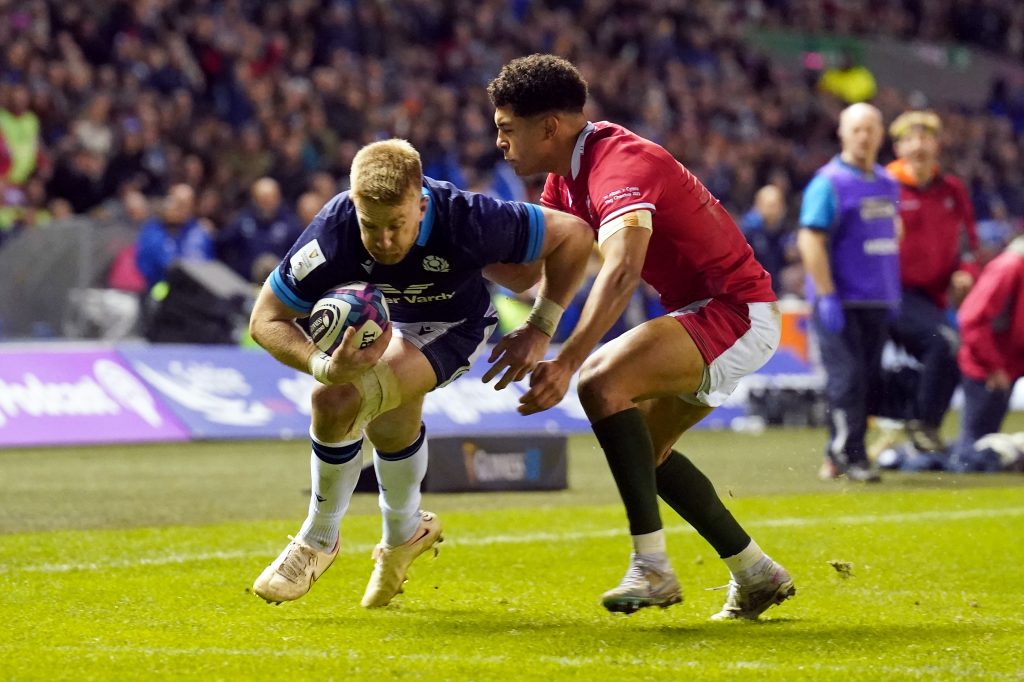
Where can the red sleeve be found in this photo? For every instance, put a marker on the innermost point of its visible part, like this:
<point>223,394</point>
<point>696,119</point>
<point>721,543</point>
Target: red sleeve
<point>552,194</point>
<point>966,213</point>
<point>987,299</point>
<point>621,181</point>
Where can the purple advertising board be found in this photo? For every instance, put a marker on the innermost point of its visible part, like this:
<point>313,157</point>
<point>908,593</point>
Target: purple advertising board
<point>226,392</point>
<point>72,396</point>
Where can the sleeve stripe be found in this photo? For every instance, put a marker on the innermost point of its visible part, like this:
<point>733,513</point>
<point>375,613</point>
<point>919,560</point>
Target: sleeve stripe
<point>286,295</point>
<point>626,209</point>
<point>537,228</point>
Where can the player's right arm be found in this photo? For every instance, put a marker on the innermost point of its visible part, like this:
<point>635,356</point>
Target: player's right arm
<point>274,326</point>
<point>817,214</point>
<point>623,252</point>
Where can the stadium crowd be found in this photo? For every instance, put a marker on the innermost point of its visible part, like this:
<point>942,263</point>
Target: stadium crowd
<point>108,105</point>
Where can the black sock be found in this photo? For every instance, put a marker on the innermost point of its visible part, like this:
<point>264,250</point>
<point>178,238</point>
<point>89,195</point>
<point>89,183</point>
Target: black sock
<point>689,492</point>
<point>626,442</point>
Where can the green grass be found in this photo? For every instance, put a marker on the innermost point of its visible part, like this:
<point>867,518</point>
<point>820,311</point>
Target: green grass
<point>125,563</point>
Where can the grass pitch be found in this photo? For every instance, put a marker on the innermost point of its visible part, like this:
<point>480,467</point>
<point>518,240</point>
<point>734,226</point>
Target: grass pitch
<point>126,563</point>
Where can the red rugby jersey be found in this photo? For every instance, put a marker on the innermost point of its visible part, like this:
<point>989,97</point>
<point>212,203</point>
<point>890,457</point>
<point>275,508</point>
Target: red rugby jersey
<point>992,318</point>
<point>696,250</point>
<point>938,222</point>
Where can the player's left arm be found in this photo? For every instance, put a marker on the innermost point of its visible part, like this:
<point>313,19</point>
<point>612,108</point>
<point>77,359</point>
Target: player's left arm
<point>563,257</point>
<point>962,280</point>
<point>520,277</point>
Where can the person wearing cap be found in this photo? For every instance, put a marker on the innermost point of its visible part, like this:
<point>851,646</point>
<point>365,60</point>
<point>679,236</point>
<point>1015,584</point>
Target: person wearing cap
<point>938,220</point>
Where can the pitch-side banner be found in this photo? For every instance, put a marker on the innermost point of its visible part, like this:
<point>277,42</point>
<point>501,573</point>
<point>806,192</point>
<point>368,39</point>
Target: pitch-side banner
<point>68,396</point>
<point>227,392</point>
<point>224,391</point>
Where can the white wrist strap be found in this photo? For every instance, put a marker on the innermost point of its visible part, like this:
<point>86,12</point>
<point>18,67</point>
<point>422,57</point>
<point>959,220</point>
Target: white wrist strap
<point>319,363</point>
<point>545,315</point>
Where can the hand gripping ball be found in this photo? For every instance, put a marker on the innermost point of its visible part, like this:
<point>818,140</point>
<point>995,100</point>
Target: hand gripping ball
<point>354,304</point>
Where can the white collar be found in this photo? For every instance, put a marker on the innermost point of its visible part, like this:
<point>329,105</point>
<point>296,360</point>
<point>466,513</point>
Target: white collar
<point>577,151</point>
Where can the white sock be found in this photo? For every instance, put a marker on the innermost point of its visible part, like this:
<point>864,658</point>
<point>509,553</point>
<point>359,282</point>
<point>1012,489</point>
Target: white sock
<point>334,470</point>
<point>747,566</point>
<point>399,475</point>
<point>650,544</point>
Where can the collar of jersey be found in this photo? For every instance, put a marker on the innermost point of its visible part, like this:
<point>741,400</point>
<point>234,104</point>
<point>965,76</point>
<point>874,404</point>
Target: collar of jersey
<point>577,151</point>
<point>867,175</point>
<point>427,224</point>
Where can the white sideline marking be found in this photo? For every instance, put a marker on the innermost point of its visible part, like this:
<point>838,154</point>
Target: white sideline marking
<point>578,662</point>
<point>487,540</point>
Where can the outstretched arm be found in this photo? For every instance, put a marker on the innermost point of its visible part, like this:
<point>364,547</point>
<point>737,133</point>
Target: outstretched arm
<point>568,242</point>
<point>624,253</point>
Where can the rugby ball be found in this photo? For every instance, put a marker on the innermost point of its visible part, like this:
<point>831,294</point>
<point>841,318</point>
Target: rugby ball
<point>354,304</point>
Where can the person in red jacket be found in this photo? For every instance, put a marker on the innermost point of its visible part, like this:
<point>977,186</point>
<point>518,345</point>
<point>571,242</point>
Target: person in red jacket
<point>991,355</point>
<point>938,222</point>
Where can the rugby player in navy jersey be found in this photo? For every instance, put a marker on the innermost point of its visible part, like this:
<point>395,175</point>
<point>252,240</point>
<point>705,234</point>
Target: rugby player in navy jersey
<point>424,244</point>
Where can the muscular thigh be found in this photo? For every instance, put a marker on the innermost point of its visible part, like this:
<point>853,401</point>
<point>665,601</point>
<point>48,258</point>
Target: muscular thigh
<point>656,358</point>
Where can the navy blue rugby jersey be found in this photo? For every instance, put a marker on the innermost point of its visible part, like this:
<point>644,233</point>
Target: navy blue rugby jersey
<point>439,280</point>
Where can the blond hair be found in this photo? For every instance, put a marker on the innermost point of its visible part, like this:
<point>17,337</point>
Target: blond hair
<point>928,120</point>
<point>386,171</point>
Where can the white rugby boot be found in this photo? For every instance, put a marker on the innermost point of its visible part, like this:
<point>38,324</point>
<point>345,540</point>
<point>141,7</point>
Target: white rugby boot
<point>750,601</point>
<point>293,572</point>
<point>644,584</point>
<point>392,563</point>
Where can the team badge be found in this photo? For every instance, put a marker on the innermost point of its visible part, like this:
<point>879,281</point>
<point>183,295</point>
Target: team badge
<point>435,264</point>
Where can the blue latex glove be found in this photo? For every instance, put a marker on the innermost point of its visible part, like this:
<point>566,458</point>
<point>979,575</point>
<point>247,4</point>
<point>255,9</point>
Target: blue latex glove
<point>830,313</point>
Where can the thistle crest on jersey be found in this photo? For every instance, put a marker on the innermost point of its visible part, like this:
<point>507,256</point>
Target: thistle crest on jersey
<point>354,304</point>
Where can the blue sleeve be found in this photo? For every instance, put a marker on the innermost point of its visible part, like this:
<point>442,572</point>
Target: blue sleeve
<point>819,207</point>
<point>503,231</point>
<point>150,256</point>
<point>311,265</point>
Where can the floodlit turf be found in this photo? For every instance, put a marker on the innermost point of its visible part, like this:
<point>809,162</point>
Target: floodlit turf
<point>935,591</point>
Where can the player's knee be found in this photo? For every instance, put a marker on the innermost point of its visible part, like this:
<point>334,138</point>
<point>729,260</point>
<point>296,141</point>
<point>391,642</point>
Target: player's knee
<point>334,410</point>
<point>596,384</point>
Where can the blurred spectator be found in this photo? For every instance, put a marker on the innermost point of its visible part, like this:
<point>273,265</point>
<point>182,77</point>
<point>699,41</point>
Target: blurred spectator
<point>266,226</point>
<point>849,81</point>
<point>765,229</point>
<point>991,356</point>
<point>850,252</point>
<point>19,128</point>
<point>938,223</point>
<point>175,234</point>
<point>79,179</point>
<point>129,165</point>
<point>309,205</point>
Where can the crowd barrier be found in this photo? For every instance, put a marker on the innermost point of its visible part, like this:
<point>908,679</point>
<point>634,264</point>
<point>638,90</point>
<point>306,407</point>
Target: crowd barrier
<point>59,394</point>
<point>75,394</point>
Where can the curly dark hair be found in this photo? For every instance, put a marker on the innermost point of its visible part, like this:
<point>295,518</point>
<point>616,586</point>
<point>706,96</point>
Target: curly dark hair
<point>538,84</point>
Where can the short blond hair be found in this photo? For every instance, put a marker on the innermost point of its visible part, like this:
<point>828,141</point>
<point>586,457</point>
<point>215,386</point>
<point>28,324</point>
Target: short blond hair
<point>905,122</point>
<point>386,171</point>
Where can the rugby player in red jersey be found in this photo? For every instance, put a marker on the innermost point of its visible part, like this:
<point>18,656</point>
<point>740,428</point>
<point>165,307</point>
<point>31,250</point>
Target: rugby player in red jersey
<point>653,220</point>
